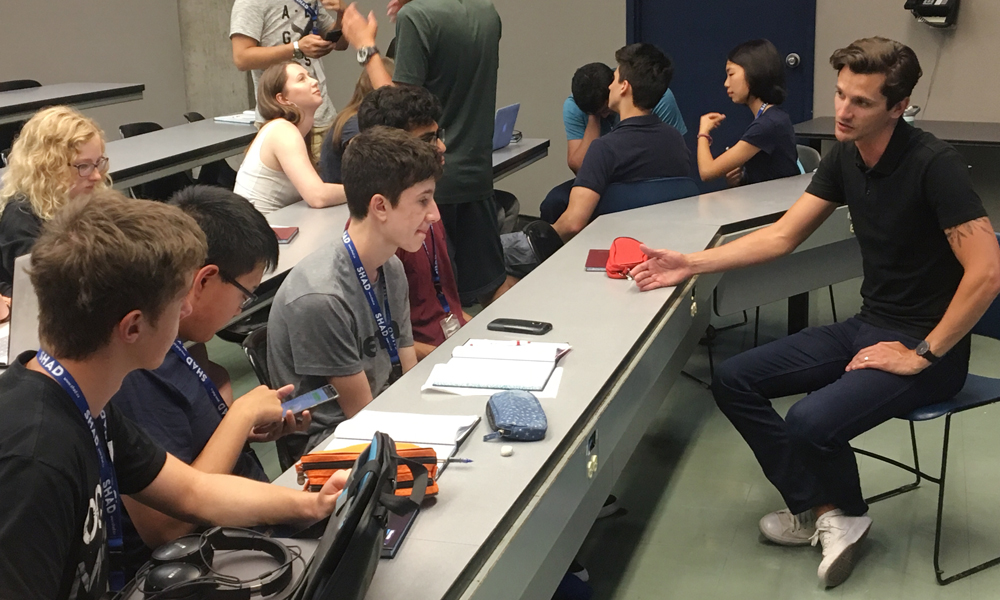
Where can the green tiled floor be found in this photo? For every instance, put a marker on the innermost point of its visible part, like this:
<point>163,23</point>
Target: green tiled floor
<point>693,494</point>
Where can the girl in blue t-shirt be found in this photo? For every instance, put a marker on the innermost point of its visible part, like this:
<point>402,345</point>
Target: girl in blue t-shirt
<point>755,76</point>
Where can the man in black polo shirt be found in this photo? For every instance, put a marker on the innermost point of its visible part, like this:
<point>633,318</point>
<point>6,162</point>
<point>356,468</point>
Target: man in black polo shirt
<point>639,147</point>
<point>931,269</point>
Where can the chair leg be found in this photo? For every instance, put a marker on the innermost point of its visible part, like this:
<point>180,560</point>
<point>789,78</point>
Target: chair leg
<point>756,326</point>
<point>915,470</point>
<point>833,305</point>
<point>938,573</point>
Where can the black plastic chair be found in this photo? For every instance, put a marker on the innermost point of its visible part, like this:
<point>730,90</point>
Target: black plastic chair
<point>217,173</point>
<point>9,131</point>
<point>159,189</point>
<point>288,447</point>
<point>255,347</point>
<point>978,391</point>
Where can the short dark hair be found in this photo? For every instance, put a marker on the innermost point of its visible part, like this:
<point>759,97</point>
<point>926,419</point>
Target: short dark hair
<point>239,237</point>
<point>386,161</point>
<point>873,55</point>
<point>763,68</point>
<point>101,257</point>
<point>400,107</point>
<point>590,86</point>
<point>648,70</point>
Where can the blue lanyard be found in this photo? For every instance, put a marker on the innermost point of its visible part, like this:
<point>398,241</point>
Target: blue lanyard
<point>213,392</point>
<point>761,110</point>
<point>384,322</point>
<point>312,13</point>
<point>109,481</point>
<point>435,274</point>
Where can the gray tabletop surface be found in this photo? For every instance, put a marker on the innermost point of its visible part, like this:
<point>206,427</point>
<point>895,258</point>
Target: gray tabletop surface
<point>19,105</point>
<point>175,147</point>
<point>602,319</point>
<point>964,133</point>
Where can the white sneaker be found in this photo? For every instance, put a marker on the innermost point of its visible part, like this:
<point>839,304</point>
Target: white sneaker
<point>840,536</point>
<point>782,527</point>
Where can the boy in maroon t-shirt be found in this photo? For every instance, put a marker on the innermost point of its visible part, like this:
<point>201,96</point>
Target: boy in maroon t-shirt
<point>435,308</point>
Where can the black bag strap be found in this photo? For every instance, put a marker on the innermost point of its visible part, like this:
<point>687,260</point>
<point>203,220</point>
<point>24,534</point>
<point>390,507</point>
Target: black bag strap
<point>402,505</point>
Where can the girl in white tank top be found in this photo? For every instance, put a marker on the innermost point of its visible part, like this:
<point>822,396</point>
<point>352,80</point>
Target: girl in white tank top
<point>277,170</point>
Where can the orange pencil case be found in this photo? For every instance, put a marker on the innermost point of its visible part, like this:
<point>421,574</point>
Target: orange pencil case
<point>315,468</point>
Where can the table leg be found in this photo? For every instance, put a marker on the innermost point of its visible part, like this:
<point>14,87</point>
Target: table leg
<point>798,313</point>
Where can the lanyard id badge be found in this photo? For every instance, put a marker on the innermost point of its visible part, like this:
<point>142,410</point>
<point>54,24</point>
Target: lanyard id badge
<point>449,324</point>
<point>382,321</point>
<point>111,505</point>
<point>213,392</point>
<point>313,15</point>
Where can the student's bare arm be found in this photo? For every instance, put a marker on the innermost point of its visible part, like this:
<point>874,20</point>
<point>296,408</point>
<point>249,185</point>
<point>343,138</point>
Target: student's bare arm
<point>667,268</point>
<point>260,406</point>
<point>975,246</point>
<point>576,150</point>
<point>735,157</point>
<point>407,358</point>
<point>289,150</point>
<point>353,391</point>
<point>185,493</point>
<point>582,202</point>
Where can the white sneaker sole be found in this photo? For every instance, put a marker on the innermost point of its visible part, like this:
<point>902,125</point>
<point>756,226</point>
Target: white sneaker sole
<point>840,569</point>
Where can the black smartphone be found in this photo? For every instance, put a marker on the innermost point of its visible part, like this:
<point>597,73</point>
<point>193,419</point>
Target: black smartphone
<point>520,326</point>
<point>395,531</point>
<point>333,35</point>
<point>309,399</point>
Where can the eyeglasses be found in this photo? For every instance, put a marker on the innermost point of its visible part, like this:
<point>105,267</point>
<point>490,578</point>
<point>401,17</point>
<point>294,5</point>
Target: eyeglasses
<point>250,296</point>
<point>431,136</point>
<point>85,169</point>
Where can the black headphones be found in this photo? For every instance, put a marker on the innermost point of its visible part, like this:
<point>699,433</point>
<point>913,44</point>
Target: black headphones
<point>182,569</point>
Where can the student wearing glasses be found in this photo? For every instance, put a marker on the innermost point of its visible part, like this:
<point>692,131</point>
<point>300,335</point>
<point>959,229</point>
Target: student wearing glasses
<point>186,404</point>
<point>58,156</point>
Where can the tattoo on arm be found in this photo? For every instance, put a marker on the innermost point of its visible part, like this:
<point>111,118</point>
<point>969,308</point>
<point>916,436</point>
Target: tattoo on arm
<point>959,232</point>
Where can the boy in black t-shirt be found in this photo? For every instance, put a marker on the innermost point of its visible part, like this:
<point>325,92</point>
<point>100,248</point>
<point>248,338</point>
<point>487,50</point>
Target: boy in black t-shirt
<point>112,277</point>
<point>640,147</point>
<point>931,267</point>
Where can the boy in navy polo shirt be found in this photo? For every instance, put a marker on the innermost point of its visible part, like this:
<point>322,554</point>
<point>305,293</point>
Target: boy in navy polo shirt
<point>640,147</point>
<point>186,404</point>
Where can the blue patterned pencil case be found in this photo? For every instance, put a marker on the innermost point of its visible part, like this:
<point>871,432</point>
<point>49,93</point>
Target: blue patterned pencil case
<point>515,415</point>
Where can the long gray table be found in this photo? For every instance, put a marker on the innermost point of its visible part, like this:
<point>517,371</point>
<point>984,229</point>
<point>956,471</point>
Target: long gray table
<point>153,155</point>
<point>19,105</point>
<point>506,528</point>
<point>518,155</point>
<point>962,133</point>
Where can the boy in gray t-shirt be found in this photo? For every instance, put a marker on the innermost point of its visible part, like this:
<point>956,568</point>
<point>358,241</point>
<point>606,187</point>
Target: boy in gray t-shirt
<point>324,323</point>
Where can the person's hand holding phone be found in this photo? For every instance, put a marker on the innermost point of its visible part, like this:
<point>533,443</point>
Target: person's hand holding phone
<point>315,46</point>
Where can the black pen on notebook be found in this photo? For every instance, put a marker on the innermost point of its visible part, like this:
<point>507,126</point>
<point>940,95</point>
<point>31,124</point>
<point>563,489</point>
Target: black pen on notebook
<point>454,459</point>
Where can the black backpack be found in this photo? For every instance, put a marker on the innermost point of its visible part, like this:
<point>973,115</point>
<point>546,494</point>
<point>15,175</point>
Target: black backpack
<point>344,563</point>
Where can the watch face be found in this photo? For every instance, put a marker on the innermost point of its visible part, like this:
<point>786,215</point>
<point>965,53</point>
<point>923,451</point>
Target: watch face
<point>922,348</point>
<point>363,55</point>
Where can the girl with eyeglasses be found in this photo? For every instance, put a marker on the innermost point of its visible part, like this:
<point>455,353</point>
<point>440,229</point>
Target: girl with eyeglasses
<point>278,169</point>
<point>58,156</point>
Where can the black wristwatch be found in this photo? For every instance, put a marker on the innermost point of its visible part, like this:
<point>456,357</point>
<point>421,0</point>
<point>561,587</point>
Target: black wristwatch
<point>923,350</point>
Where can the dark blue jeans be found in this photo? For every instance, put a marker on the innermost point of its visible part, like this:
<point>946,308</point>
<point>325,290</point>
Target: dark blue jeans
<point>807,455</point>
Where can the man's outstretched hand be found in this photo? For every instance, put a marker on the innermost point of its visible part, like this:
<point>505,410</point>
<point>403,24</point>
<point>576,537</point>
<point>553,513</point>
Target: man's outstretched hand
<point>663,268</point>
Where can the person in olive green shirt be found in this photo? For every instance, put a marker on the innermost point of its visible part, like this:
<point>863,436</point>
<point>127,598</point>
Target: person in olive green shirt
<point>451,47</point>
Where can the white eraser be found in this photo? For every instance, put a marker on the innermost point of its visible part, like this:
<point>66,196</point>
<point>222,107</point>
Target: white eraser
<point>506,450</point>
